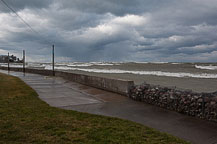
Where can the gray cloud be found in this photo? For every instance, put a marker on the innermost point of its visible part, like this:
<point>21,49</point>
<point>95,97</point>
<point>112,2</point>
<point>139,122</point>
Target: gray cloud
<point>22,4</point>
<point>110,30</point>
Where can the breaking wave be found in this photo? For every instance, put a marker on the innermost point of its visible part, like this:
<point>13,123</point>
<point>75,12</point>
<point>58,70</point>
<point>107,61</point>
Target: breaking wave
<point>210,67</point>
<point>91,64</point>
<point>155,73</point>
<point>12,65</point>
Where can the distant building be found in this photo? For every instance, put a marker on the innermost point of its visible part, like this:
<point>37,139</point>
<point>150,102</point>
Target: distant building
<point>12,58</point>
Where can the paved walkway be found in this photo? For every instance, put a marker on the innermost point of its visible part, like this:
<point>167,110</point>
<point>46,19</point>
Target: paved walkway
<point>64,94</point>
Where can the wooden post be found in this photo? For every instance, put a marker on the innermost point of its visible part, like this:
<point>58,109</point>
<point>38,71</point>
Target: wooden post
<point>53,60</point>
<point>8,62</point>
<point>24,70</point>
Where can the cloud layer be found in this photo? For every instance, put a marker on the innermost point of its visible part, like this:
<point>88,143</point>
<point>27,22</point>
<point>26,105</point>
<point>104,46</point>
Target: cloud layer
<point>111,30</point>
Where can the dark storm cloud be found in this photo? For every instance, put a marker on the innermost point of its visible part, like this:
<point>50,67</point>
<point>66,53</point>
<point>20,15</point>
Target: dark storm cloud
<point>119,7</point>
<point>21,4</point>
<point>111,30</point>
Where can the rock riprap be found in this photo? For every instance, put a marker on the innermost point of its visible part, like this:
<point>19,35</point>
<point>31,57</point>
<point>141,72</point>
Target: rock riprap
<point>202,105</point>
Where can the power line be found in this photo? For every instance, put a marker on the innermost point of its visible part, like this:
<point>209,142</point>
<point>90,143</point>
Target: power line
<point>18,16</point>
<point>9,7</point>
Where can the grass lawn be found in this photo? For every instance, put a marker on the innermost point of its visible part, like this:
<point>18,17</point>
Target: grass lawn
<point>24,118</point>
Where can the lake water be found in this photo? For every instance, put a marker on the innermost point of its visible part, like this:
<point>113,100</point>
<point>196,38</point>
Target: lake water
<point>200,77</point>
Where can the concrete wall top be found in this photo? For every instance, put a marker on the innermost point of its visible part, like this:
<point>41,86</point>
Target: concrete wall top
<point>113,85</point>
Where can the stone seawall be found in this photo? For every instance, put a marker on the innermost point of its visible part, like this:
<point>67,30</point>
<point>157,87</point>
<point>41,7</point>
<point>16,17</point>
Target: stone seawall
<point>113,85</point>
<point>201,105</point>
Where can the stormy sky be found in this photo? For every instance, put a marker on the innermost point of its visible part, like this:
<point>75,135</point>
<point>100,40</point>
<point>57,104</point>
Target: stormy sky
<point>111,30</point>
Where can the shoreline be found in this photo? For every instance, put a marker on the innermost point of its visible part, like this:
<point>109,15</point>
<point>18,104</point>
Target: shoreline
<point>183,76</point>
<point>186,83</point>
<point>180,83</point>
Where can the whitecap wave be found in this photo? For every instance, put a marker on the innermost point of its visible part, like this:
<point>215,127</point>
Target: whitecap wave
<point>151,62</point>
<point>156,73</point>
<point>12,65</point>
<point>91,64</point>
<point>210,67</point>
<point>159,62</point>
<point>175,63</point>
<point>37,65</point>
<point>105,63</point>
<point>80,65</point>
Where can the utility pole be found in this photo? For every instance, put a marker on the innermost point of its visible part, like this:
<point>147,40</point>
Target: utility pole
<point>24,70</point>
<point>8,62</point>
<point>53,60</point>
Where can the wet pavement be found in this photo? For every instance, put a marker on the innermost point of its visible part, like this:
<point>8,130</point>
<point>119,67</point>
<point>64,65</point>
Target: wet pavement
<point>65,94</point>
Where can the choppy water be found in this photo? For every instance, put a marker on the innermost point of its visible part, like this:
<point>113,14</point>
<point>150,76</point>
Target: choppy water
<point>194,70</point>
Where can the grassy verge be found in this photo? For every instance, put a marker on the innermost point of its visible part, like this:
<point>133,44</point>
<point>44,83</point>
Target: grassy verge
<point>24,118</point>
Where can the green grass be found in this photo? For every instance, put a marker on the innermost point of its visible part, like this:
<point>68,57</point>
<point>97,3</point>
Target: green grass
<point>24,118</point>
